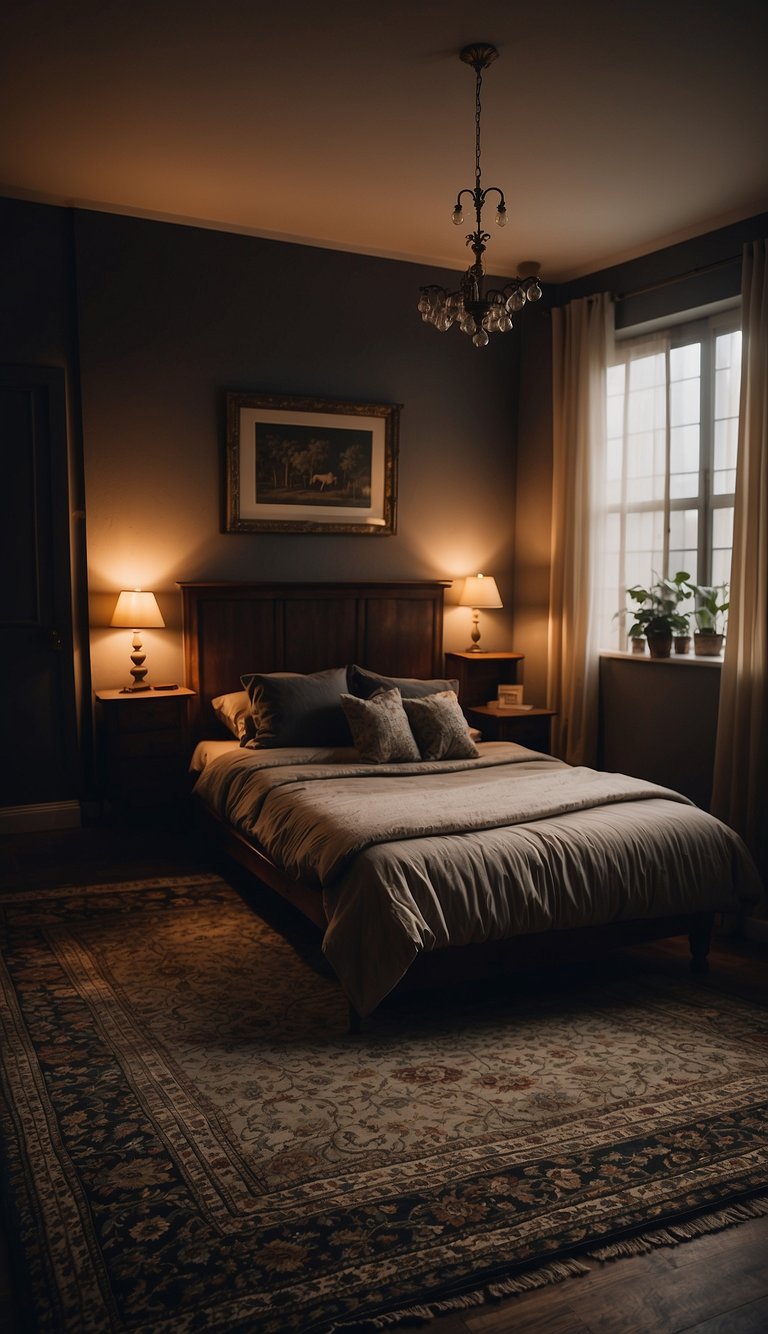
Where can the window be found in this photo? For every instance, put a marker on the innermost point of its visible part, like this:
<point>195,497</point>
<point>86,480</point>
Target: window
<point>672,414</point>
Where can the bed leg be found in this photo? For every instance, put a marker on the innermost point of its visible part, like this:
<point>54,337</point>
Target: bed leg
<point>355,1021</point>
<point>699,938</point>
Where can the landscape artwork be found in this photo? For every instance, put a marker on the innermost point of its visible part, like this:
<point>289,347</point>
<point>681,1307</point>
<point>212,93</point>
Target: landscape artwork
<point>310,465</point>
<point>306,466</point>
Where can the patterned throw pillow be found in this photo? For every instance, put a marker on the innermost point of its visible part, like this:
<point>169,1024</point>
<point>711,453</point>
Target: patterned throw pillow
<point>440,727</point>
<point>380,728</point>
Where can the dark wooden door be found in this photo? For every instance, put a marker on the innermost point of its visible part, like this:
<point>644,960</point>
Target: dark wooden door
<point>37,691</point>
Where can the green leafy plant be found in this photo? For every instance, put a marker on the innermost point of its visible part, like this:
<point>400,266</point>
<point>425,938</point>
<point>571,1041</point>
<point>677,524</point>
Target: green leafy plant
<point>711,605</point>
<point>656,608</point>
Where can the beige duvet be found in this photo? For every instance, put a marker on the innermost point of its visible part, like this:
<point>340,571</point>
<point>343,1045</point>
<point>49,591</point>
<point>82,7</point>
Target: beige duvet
<point>411,857</point>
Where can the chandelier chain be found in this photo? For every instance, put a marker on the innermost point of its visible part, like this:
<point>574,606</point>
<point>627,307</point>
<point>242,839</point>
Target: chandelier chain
<point>478,109</point>
<point>476,309</point>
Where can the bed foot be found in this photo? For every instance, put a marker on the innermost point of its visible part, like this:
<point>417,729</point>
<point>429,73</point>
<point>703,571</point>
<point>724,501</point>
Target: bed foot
<point>355,1022</point>
<point>699,938</point>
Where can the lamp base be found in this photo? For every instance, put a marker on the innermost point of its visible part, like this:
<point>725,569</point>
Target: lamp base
<point>475,648</point>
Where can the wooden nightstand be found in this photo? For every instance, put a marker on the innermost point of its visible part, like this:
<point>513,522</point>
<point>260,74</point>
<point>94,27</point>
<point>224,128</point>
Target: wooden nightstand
<point>530,728</point>
<point>143,745</point>
<point>480,674</point>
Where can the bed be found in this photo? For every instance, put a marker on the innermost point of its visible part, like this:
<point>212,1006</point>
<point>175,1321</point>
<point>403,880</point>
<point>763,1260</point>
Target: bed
<point>424,855</point>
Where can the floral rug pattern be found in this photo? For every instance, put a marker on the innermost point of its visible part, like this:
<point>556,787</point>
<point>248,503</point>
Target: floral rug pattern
<point>191,1140</point>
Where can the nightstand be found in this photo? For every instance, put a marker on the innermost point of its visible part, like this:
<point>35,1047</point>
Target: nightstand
<point>480,674</point>
<point>143,745</point>
<point>530,728</point>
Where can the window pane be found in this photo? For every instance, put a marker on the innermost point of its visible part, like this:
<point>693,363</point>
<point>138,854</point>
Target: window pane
<point>646,371</point>
<point>684,449</point>
<point>645,467</point>
<point>722,527</point>
<point>726,442</point>
<point>644,538</point>
<point>684,400</point>
<point>685,362</point>
<point>727,392</point>
<point>683,533</point>
<point>721,560</point>
<point>728,349</point>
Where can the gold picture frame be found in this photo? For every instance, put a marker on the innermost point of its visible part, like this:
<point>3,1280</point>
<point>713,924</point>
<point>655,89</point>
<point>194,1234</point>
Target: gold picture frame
<point>310,465</point>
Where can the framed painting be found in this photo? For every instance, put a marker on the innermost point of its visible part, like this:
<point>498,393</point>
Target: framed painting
<point>310,465</point>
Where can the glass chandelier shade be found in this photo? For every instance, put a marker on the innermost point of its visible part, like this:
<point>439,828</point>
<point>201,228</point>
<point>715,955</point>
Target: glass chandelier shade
<point>477,312</point>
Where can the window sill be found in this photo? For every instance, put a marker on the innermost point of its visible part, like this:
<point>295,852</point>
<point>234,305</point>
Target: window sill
<point>676,659</point>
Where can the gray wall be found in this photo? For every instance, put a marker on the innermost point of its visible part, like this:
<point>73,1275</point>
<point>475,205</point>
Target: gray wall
<point>171,316</point>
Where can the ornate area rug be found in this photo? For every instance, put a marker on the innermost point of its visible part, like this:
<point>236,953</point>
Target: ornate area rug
<point>192,1141</point>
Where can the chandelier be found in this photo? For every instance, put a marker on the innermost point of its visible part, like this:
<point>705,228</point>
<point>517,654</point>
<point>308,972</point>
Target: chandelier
<point>478,312</point>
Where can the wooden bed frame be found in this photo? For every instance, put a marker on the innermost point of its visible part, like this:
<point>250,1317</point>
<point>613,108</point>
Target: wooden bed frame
<point>395,628</point>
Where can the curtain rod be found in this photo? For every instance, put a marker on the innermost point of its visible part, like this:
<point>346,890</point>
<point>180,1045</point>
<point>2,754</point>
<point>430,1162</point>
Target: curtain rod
<point>678,278</point>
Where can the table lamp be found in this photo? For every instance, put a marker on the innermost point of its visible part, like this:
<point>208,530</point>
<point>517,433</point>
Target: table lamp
<point>137,610</point>
<point>479,591</point>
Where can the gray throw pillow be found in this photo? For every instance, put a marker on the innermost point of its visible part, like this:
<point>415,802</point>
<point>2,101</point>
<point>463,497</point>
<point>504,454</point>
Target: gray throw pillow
<point>363,683</point>
<point>294,710</point>
<point>380,728</point>
<point>440,727</point>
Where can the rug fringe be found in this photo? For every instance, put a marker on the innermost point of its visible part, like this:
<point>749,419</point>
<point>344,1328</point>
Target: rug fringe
<point>506,1287</point>
<point>558,1270</point>
<point>675,1233</point>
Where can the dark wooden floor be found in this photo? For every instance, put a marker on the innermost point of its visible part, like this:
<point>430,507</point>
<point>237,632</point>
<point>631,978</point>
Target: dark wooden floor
<point>717,1284</point>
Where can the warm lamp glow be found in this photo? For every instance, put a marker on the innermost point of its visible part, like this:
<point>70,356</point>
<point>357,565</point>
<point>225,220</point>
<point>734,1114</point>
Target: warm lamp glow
<point>479,591</point>
<point>137,610</point>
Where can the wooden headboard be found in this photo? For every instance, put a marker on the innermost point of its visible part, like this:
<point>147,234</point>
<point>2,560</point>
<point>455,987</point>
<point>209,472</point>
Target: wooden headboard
<point>231,628</point>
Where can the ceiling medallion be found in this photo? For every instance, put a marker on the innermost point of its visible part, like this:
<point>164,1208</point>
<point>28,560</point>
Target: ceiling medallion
<point>476,311</point>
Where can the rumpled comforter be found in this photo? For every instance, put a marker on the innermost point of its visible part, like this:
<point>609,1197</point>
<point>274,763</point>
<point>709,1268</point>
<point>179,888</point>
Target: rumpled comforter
<point>412,857</point>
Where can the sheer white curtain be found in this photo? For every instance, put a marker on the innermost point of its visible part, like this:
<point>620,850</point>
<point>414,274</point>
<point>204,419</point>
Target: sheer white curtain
<point>582,335</point>
<point>634,496</point>
<point>740,793</point>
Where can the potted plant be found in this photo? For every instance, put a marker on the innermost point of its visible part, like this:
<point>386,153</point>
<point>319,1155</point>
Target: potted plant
<point>711,605</point>
<point>655,614</point>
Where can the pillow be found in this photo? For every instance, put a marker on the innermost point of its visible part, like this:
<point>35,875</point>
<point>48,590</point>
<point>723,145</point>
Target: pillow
<point>364,684</point>
<point>380,728</point>
<point>294,710</point>
<point>440,727</point>
<point>234,712</point>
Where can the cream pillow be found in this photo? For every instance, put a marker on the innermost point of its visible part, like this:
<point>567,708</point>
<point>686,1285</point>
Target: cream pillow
<point>234,712</point>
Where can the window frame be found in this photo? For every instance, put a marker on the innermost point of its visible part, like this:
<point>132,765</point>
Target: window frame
<point>703,328</point>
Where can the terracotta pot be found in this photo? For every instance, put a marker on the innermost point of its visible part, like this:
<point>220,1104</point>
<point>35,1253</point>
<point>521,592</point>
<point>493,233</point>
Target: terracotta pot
<point>682,643</point>
<point>660,646</point>
<point>707,645</point>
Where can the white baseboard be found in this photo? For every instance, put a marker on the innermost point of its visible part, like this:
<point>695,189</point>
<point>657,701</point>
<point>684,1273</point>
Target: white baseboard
<point>45,815</point>
<point>755,928</point>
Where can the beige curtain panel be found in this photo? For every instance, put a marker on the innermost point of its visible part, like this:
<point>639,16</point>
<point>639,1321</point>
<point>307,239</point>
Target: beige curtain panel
<point>582,335</point>
<point>740,793</point>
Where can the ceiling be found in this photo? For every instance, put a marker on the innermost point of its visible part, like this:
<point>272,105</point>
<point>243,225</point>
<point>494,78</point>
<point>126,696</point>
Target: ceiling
<point>613,128</point>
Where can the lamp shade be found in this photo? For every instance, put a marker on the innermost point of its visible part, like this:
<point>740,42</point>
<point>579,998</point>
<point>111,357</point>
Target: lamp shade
<point>480,591</point>
<point>137,610</point>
